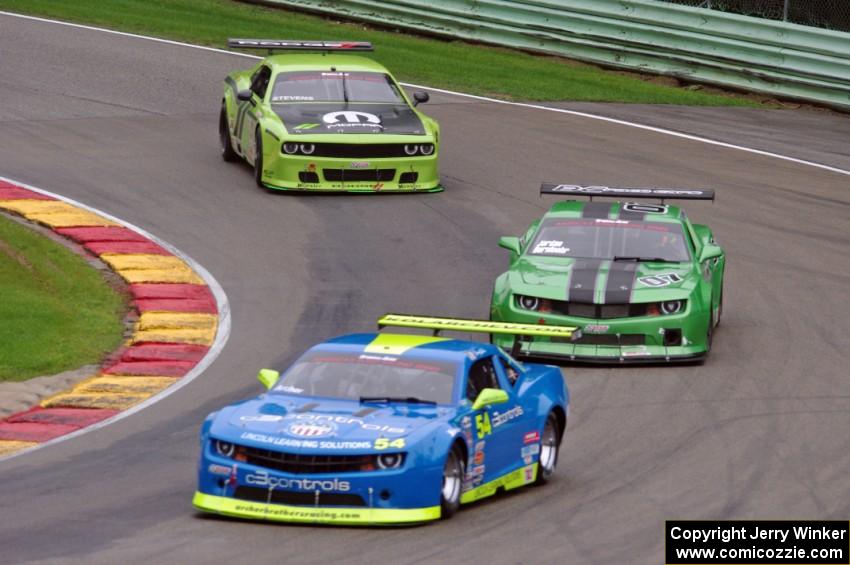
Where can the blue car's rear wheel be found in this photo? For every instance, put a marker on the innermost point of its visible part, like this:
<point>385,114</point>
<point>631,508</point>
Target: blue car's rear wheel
<point>452,484</point>
<point>549,447</point>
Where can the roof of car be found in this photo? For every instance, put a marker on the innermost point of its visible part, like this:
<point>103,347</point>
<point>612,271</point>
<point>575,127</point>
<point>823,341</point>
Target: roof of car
<point>605,209</point>
<point>319,62</point>
<point>416,345</point>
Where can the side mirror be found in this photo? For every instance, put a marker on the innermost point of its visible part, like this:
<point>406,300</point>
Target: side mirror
<point>509,242</point>
<point>488,397</point>
<point>244,95</point>
<point>709,252</point>
<point>420,97</point>
<point>268,377</point>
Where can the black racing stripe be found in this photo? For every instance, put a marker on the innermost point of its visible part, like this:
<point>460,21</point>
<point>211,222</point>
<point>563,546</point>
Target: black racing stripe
<point>621,279</point>
<point>583,280</point>
<point>596,210</point>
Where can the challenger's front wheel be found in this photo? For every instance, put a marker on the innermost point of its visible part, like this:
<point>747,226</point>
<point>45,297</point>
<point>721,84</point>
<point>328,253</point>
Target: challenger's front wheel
<point>258,159</point>
<point>452,484</point>
<point>227,152</point>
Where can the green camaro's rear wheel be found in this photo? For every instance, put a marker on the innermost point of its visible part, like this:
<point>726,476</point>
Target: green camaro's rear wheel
<point>227,152</point>
<point>453,472</point>
<point>258,160</point>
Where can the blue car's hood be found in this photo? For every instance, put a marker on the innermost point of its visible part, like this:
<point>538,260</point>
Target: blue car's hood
<point>304,424</point>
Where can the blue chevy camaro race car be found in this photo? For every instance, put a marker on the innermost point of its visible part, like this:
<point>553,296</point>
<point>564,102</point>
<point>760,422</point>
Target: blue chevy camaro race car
<point>386,429</point>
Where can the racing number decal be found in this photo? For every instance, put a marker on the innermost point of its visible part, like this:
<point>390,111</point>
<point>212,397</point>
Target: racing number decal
<point>482,425</point>
<point>385,443</point>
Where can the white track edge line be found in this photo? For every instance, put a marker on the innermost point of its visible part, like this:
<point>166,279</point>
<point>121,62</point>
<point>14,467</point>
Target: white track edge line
<point>617,121</point>
<point>221,337</point>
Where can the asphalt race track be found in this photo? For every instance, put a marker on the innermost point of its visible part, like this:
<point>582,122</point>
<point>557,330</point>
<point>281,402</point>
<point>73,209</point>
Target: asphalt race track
<point>759,431</point>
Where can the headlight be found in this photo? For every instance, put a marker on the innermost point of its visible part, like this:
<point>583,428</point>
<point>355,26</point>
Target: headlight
<point>528,302</point>
<point>290,148</point>
<point>671,306</point>
<point>308,148</point>
<point>390,460</point>
<point>426,148</point>
<point>411,149</point>
<point>224,448</point>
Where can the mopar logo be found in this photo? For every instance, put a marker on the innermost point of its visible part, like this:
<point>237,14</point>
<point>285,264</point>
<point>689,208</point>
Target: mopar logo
<point>263,479</point>
<point>351,117</point>
<point>311,429</point>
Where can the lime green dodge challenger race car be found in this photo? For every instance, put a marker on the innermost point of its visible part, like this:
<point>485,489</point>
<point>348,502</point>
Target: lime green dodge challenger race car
<point>638,281</point>
<point>327,122</point>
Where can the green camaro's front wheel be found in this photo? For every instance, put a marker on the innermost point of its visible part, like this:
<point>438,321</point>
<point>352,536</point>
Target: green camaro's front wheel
<point>258,159</point>
<point>227,152</point>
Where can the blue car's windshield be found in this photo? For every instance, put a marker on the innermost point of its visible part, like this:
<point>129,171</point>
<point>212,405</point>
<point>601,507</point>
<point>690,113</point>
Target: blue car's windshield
<point>610,239</point>
<point>353,377</point>
<point>327,86</point>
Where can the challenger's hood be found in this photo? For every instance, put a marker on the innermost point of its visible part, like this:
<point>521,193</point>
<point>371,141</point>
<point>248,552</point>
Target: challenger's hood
<point>305,424</point>
<point>600,281</point>
<point>303,118</point>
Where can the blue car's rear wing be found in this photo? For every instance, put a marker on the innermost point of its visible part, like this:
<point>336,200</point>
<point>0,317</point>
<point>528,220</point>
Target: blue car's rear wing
<point>611,192</point>
<point>521,332</point>
<point>292,45</point>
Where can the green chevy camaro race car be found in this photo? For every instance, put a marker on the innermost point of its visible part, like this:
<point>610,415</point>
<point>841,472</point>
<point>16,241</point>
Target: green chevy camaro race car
<point>639,281</point>
<point>327,122</point>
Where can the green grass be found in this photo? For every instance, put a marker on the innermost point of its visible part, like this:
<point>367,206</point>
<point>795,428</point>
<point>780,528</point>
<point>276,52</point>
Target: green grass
<point>56,312</point>
<point>446,64</point>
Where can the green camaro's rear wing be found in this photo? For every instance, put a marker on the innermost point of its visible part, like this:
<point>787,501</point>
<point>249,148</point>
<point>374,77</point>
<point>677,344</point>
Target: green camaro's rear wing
<point>627,192</point>
<point>521,332</point>
<point>292,45</point>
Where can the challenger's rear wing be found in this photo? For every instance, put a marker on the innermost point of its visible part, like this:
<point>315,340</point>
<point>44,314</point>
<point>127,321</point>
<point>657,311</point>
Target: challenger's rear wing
<point>611,192</point>
<point>521,332</point>
<point>291,45</point>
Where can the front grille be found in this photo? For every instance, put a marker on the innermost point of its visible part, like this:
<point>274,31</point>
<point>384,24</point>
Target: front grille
<point>408,177</point>
<point>359,175</point>
<point>360,151</point>
<point>257,494</point>
<point>608,339</point>
<point>598,311</point>
<point>304,464</point>
<point>308,177</point>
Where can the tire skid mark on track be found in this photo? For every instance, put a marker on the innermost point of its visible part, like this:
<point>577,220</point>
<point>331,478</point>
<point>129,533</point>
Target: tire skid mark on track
<point>183,324</point>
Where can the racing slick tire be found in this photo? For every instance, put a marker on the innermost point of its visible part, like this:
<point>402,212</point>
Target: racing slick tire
<point>452,483</point>
<point>550,443</point>
<point>258,159</point>
<point>227,152</point>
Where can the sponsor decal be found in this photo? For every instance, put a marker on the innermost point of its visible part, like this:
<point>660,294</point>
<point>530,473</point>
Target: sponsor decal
<point>551,247</point>
<point>607,221</point>
<point>305,443</point>
<point>475,353</point>
<point>216,469</point>
<point>262,418</point>
<point>663,279</point>
<point>351,118</point>
<point>574,188</point>
<point>311,429</point>
<point>286,98</point>
<point>500,418</point>
<point>644,208</point>
<point>480,445</point>
<point>478,458</point>
<point>466,422</point>
<point>291,389</point>
<point>640,351</point>
<point>529,473</point>
<point>529,450</point>
<point>596,328</point>
<point>531,437</point>
<point>359,164</point>
<point>263,479</point>
<point>301,127</point>
<point>477,470</point>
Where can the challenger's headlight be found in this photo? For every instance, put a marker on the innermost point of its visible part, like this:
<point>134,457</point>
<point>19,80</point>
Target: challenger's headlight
<point>426,148</point>
<point>290,148</point>
<point>390,460</point>
<point>224,448</point>
<point>411,149</point>
<point>308,148</point>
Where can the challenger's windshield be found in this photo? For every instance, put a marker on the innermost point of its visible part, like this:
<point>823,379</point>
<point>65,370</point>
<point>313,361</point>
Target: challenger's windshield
<point>332,86</point>
<point>627,240</point>
<point>366,376</point>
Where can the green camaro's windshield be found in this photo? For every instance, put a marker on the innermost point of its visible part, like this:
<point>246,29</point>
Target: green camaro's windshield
<point>366,376</point>
<point>610,239</point>
<point>320,86</point>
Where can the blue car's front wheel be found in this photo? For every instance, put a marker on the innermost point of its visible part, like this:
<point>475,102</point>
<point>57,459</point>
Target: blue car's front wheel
<point>549,446</point>
<point>452,484</point>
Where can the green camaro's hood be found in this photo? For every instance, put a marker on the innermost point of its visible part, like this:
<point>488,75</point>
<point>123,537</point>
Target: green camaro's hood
<point>601,281</point>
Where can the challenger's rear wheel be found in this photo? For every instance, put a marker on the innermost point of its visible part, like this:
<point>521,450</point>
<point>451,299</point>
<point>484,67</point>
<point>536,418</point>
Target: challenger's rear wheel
<point>452,484</point>
<point>549,446</point>
<point>227,152</point>
<point>258,160</point>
